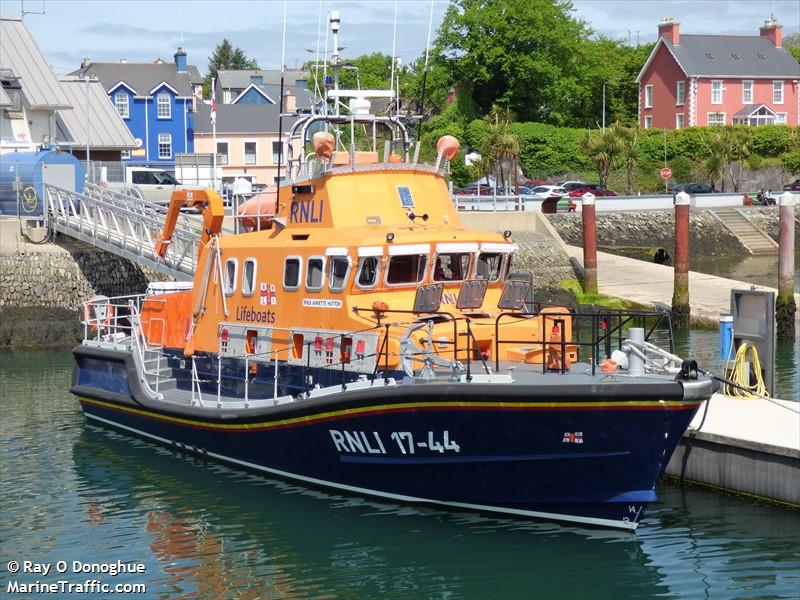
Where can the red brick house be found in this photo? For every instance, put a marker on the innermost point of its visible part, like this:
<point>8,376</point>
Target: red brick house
<point>718,79</point>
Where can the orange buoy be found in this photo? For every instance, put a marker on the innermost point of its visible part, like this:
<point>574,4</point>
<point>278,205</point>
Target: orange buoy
<point>609,365</point>
<point>448,146</point>
<point>324,144</point>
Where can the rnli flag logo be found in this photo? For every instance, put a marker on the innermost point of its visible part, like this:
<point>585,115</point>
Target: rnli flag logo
<point>572,437</point>
<point>268,296</point>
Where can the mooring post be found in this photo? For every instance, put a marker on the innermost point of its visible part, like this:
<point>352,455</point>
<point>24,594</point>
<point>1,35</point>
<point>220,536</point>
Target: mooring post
<point>589,243</point>
<point>785,307</point>
<point>680,294</point>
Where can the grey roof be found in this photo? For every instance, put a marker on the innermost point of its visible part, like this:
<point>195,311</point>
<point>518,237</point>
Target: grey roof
<point>141,77</point>
<point>194,75</point>
<point>19,52</point>
<point>4,99</point>
<point>716,56</point>
<point>107,129</point>
<point>240,79</point>
<point>241,118</point>
<point>304,97</point>
<point>748,110</point>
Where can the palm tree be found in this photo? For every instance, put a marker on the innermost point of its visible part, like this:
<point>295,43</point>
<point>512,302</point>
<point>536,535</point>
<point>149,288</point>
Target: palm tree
<point>629,149</point>
<point>603,150</point>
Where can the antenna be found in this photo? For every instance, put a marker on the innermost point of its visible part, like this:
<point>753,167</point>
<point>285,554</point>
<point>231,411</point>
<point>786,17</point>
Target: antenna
<point>23,12</point>
<point>280,109</point>
<point>421,106</point>
<point>316,56</point>
<point>334,21</point>
<point>394,38</point>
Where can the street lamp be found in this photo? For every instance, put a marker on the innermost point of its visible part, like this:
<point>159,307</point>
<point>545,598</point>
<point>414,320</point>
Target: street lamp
<point>604,102</point>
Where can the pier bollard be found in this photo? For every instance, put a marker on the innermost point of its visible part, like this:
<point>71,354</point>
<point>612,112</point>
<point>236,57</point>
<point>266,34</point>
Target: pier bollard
<point>589,243</point>
<point>785,307</point>
<point>680,294</point>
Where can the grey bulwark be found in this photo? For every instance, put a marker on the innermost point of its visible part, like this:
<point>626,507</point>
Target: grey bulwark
<point>108,131</point>
<point>142,77</point>
<point>20,54</point>
<point>732,56</point>
<point>241,118</point>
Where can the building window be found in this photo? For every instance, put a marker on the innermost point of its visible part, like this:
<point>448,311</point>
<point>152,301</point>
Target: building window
<point>648,96</point>
<point>747,92</point>
<point>121,104</point>
<point>680,92</point>
<point>780,118</point>
<point>249,153</point>
<point>679,121</point>
<point>716,91</point>
<point>164,145</point>
<point>276,149</point>
<point>222,153</point>
<point>716,118</point>
<point>777,92</point>
<point>125,154</point>
<point>648,122</point>
<point>164,103</point>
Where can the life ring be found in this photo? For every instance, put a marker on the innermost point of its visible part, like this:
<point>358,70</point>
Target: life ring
<point>97,312</point>
<point>29,199</point>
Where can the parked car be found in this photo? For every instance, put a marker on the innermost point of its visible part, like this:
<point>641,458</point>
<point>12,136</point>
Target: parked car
<point>596,189</point>
<point>792,187</point>
<point>543,192</point>
<point>693,188</point>
<point>525,190</point>
<point>475,190</point>
<point>571,185</point>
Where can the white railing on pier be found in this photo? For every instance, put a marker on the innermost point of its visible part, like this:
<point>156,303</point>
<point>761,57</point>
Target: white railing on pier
<point>124,225</point>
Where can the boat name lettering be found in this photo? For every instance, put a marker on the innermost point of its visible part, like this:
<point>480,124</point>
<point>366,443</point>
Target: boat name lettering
<point>321,303</point>
<point>306,211</point>
<point>449,298</point>
<point>245,313</point>
<point>360,442</point>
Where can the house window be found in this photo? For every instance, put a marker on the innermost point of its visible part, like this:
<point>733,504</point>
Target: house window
<point>222,153</point>
<point>125,154</point>
<point>679,121</point>
<point>680,92</point>
<point>229,282</point>
<point>164,103</point>
<point>276,150</point>
<point>747,92</point>
<point>716,118</point>
<point>648,122</point>
<point>780,118</point>
<point>249,277</point>
<point>121,104</point>
<point>716,91</point>
<point>648,96</point>
<point>164,145</point>
<point>249,153</point>
<point>777,92</point>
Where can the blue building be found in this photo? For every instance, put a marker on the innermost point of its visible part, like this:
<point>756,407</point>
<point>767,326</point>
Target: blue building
<point>157,102</point>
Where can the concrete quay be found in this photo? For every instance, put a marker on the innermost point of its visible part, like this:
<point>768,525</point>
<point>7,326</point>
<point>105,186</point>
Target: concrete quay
<point>749,447</point>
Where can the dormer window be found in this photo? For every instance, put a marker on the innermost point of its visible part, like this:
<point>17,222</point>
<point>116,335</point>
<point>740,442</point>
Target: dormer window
<point>122,105</point>
<point>164,103</point>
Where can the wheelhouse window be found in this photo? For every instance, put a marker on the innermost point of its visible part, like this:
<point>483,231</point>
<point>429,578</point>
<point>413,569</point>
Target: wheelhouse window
<point>121,103</point>
<point>249,277</point>
<point>164,104</point>
<point>315,276</point>
<point>231,271</point>
<point>451,266</point>
<point>368,267</point>
<point>406,269</point>
<point>489,266</point>
<point>164,145</point>
<point>292,269</point>
<point>339,267</point>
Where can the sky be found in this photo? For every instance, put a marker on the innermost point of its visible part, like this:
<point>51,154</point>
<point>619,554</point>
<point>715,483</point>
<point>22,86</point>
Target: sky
<point>143,30</point>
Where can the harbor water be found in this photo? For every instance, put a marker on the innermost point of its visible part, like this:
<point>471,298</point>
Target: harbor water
<point>74,492</point>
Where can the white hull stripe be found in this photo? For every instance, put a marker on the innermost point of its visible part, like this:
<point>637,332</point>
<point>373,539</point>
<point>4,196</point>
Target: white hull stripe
<point>628,525</point>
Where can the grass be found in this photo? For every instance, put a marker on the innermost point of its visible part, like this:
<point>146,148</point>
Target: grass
<point>581,297</point>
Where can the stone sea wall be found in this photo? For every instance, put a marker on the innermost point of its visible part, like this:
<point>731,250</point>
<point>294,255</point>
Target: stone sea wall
<point>545,259</point>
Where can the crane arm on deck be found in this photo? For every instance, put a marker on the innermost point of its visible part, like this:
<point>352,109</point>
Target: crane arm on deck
<point>208,202</point>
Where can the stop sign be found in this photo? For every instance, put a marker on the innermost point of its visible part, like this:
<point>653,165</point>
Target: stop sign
<point>666,173</point>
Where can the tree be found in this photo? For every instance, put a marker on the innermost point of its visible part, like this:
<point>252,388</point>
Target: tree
<point>628,139</point>
<point>603,150</point>
<point>225,56</point>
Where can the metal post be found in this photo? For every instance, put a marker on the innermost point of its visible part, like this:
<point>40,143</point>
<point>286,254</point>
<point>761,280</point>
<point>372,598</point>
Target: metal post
<point>246,382</point>
<point>89,171</point>
<point>604,107</point>
<point>680,295</point>
<point>275,383</point>
<point>589,244</point>
<point>785,307</point>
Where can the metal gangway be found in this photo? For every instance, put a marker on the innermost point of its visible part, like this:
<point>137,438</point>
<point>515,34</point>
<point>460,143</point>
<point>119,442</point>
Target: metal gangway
<point>123,224</point>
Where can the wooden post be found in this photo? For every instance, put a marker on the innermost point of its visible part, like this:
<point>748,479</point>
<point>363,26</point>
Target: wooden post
<point>680,294</point>
<point>785,307</point>
<point>589,243</point>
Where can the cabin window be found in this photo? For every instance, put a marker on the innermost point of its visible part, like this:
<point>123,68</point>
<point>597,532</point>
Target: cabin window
<point>231,269</point>
<point>315,276</point>
<point>339,270</point>
<point>368,271</point>
<point>451,266</point>
<point>292,269</point>
<point>406,269</point>
<point>489,266</point>
<point>249,277</point>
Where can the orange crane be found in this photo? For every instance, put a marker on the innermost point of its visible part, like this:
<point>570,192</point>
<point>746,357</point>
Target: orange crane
<point>207,202</point>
